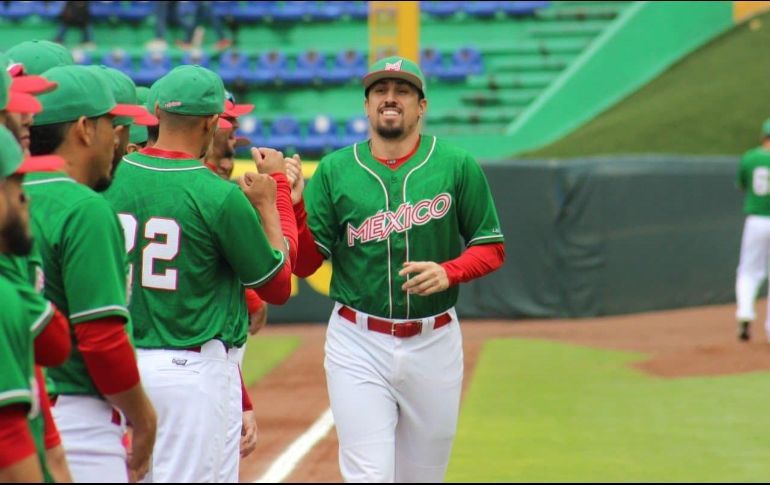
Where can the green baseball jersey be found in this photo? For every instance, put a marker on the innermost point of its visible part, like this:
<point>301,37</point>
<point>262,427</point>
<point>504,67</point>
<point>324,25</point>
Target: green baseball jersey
<point>754,179</point>
<point>83,252</point>
<point>23,273</point>
<point>371,219</point>
<point>193,242</point>
<point>17,381</point>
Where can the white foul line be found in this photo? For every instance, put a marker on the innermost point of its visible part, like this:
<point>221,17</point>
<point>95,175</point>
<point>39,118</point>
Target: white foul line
<point>285,464</point>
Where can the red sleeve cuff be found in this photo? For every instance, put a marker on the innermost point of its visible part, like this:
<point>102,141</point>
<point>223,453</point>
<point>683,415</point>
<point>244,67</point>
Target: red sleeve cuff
<point>108,354</point>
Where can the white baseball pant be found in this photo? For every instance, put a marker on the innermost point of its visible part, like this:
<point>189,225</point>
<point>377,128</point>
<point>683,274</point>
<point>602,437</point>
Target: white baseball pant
<point>232,451</point>
<point>753,267</point>
<point>395,400</point>
<point>190,392</point>
<point>91,438</point>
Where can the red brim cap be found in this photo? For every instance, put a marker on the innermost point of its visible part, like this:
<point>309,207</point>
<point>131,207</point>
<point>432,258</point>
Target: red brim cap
<point>22,103</point>
<point>236,110</point>
<point>131,110</point>
<point>145,119</point>
<point>32,84</point>
<point>43,163</point>
<point>224,124</point>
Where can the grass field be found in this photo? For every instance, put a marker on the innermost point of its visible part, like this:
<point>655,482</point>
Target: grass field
<point>264,353</point>
<point>712,102</point>
<point>544,411</point>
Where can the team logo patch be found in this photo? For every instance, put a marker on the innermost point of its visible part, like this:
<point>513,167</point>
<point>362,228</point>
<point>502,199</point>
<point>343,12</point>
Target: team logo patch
<point>172,104</point>
<point>179,362</point>
<point>381,225</point>
<point>396,66</point>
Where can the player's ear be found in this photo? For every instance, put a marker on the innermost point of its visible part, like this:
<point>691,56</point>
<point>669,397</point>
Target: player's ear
<point>85,131</point>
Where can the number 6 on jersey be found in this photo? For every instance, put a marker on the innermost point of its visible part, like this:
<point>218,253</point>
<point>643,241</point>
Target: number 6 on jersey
<point>164,250</point>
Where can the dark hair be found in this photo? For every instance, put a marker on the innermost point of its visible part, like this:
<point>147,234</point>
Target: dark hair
<point>45,139</point>
<point>152,133</point>
<point>420,94</point>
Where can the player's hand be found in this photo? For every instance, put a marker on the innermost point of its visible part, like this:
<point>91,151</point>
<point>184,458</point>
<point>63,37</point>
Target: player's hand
<point>430,278</point>
<point>142,442</point>
<point>248,434</point>
<point>259,188</point>
<point>296,180</point>
<point>257,320</point>
<point>268,160</point>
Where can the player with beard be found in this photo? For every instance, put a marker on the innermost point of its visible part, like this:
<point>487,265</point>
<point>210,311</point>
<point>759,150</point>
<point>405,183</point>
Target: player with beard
<point>80,239</point>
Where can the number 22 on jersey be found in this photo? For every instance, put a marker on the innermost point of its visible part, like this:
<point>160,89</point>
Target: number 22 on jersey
<point>163,238</point>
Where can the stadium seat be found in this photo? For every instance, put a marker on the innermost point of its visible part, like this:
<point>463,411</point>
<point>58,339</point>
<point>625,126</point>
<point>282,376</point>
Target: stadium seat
<point>293,11</point>
<point>431,61</point>
<point>270,66</point>
<point>102,10</point>
<point>321,132</point>
<point>440,8</point>
<point>356,130</point>
<point>223,8</point>
<point>19,10</point>
<point>484,9</point>
<point>284,133</point>
<point>522,8</point>
<point>81,57</point>
<point>251,127</point>
<point>356,10</point>
<point>234,67</point>
<point>308,67</point>
<point>325,10</point>
<point>464,62</point>
<point>154,65</point>
<point>49,10</point>
<point>120,60</point>
<point>196,56</point>
<point>134,11</point>
<point>349,64</point>
<point>250,11</point>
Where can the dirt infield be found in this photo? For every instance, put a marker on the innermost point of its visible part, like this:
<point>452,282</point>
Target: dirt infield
<point>690,342</point>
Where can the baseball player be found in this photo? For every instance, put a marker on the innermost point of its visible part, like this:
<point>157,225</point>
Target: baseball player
<point>52,343</point>
<point>194,241</point>
<point>390,212</point>
<point>754,180</point>
<point>37,56</point>
<point>79,236</point>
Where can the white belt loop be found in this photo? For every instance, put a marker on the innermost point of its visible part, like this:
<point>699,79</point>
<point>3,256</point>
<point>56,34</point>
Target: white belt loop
<point>362,321</point>
<point>427,326</point>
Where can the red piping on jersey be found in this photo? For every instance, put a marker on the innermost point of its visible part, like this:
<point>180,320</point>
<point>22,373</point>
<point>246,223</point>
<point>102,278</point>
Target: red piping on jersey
<point>52,437</point>
<point>160,153</point>
<point>394,164</point>
<point>108,354</point>
<point>53,345</point>
<point>474,262</point>
<point>16,441</point>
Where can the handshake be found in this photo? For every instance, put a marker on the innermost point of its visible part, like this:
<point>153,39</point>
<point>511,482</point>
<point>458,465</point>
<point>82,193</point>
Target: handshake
<point>260,188</point>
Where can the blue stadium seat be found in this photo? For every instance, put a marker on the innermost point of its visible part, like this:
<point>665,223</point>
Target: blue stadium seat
<point>120,60</point>
<point>356,10</point>
<point>251,127</point>
<point>431,61</point>
<point>481,8</point>
<point>154,65</point>
<point>522,8</point>
<point>49,10</point>
<point>325,10</point>
<point>284,133</point>
<point>81,57</point>
<point>270,66</point>
<point>196,56</point>
<point>234,66</point>
<point>250,11</point>
<point>464,62</point>
<point>19,10</point>
<point>134,11</point>
<point>223,8</point>
<point>440,8</point>
<point>102,10</point>
<point>356,130</point>
<point>186,8</point>
<point>288,11</point>
<point>349,64</point>
<point>321,132</point>
<point>309,66</point>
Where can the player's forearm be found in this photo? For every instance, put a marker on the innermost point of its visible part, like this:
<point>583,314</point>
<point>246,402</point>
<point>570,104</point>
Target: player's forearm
<point>309,258</point>
<point>57,464</point>
<point>286,214</point>
<point>271,224</point>
<point>18,457</point>
<point>137,408</point>
<point>474,262</point>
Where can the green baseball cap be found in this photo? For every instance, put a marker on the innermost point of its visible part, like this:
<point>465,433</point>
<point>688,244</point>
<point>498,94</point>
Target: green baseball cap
<point>81,92</point>
<point>395,67</point>
<point>137,134</point>
<point>124,90</point>
<point>38,56</point>
<point>190,90</point>
<point>766,127</point>
<point>12,161</point>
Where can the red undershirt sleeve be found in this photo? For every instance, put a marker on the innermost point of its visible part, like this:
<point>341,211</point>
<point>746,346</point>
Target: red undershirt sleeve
<point>16,441</point>
<point>474,262</point>
<point>246,404</point>
<point>52,437</point>
<point>309,258</point>
<point>53,345</point>
<point>108,354</point>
